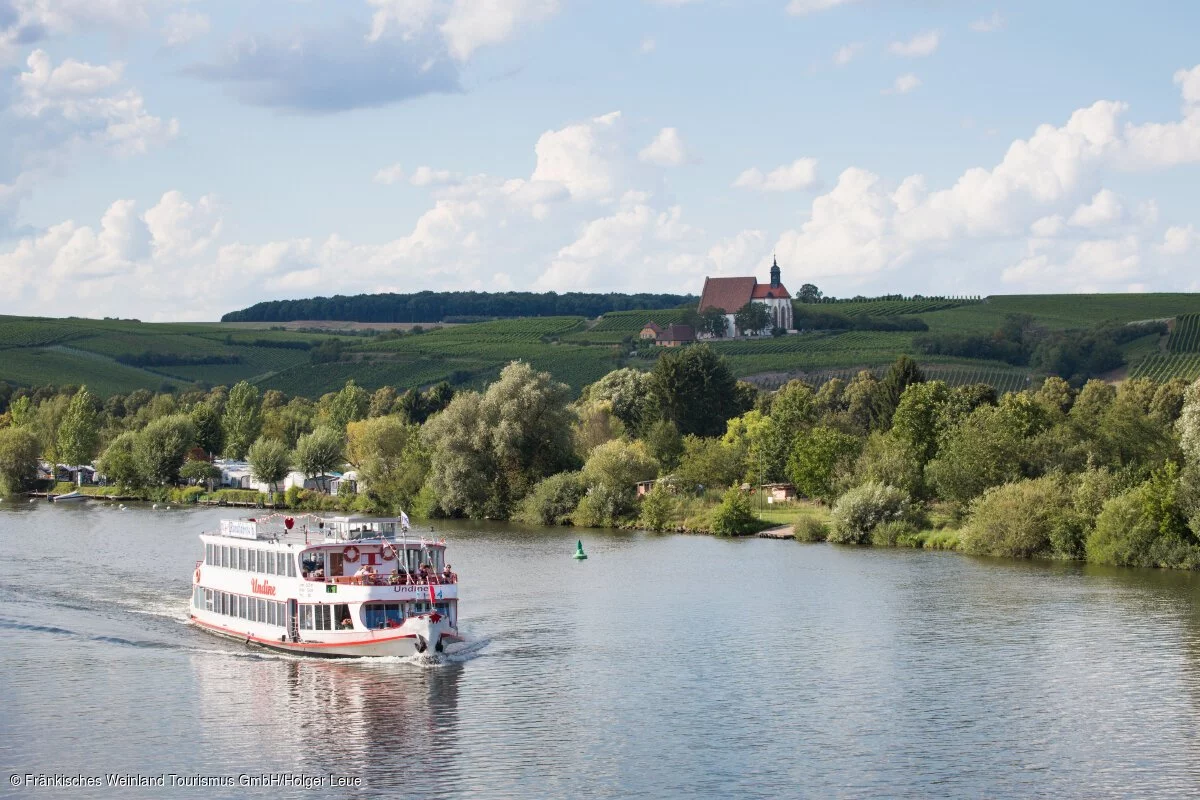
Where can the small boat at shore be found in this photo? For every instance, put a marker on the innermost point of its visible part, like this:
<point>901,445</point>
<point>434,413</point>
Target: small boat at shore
<point>69,497</point>
<point>333,587</point>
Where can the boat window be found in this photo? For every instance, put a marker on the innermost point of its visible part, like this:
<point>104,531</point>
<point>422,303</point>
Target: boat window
<point>262,610</point>
<point>241,607</point>
<point>241,559</point>
<point>220,602</point>
<point>271,613</point>
<point>291,565</point>
<point>208,599</point>
<point>306,617</point>
<point>381,615</point>
<point>253,564</point>
<point>341,617</point>
<point>224,557</point>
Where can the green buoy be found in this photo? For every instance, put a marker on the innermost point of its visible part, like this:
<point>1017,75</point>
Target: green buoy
<point>579,554</point>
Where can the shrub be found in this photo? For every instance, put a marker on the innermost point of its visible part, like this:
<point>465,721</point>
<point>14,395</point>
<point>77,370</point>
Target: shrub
<point>1144,527</point>
<point>553,501</point>
<point>733,517</point>
<point>810,529</point>
<point>860,510</point>
<point>658,509</point>
<point>1025,519</point>
<point>897,533</point>
<point>188,494</point>
<point>291,497</point>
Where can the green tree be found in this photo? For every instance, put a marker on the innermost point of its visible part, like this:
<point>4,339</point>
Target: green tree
<point>752,318</point>
<point>79,433</point>
<point>611,475</point>
<point>346,406</point>
<point>919,421</point>
<point>659,508</point>
<point>985,449</point>
<point>818,459</point>
<point>734,516</point>
<point>1188,425</point>
<point>161,447</point>
<point>1145,527</point>
<point>693,388</point>
<point>289,423</point>
<point>391,461</point>
<point>382,402</point>
<point>713,322</point>
<point>710,463</point>
<point>628,390</point>
<point>18,459</point>
<point>861,510</point>
<point>209,434</point>
<point>242,420</point>
<point>553,500</point>
<point>902,374</point>
<point>270,461</point>
<point>119,464</point>
<point>664,444</point>
<point>199,471</point>
<point>808,293</point>
<point>487,451</point>
<point>1024,519</point>
<point>319,453</point>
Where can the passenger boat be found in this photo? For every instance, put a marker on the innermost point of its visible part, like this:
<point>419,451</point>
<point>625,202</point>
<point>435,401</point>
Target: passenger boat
<point>335,587</point>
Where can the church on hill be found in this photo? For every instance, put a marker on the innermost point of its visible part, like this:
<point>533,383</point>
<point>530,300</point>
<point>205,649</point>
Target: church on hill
<point>729,295</point>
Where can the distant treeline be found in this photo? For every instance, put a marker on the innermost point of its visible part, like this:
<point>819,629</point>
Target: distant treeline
<point>438,306</point>
<point>148,359</point>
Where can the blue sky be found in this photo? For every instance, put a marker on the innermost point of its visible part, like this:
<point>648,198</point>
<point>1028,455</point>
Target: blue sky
<point>168,159</point>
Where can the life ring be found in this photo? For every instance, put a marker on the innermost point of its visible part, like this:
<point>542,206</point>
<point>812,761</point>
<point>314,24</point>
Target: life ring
<point>350,553</point>
<point>389,555</point>
<point>197,574</point>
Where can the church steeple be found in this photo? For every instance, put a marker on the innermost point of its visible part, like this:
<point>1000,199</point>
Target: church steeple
<point>774,272</point>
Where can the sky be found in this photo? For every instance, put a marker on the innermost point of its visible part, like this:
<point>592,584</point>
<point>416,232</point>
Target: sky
<point>178,159</point>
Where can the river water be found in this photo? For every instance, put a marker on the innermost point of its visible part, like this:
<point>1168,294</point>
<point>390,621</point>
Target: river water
<point>663,666</point>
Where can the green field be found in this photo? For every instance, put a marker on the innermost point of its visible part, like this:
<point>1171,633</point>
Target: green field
<point>39,351</point>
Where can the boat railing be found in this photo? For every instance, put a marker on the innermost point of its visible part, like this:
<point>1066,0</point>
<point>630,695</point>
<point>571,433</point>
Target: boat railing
<point>385,580</point>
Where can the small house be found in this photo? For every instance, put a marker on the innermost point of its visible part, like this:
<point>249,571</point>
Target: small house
<point>676,336</point>
<point>651,331</point>
<point>779,492</point>
<point>346,483</point>
<point>644,486</point>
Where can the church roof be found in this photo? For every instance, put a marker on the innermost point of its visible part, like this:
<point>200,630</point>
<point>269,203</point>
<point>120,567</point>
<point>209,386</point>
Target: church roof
<point>727,294</point>
<point>764,291</point>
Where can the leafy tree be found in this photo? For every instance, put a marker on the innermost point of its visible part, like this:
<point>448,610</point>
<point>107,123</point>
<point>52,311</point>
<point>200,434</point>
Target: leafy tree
<point>119,464</point>
<point>270,461</point>
<point>664,444</point>
<point>859,511</point>
<point>610,476</point>
<point>273,398</point>
<point>902,374</point>
<point>1025,519</point>
<point>209,434</point>
<point>319,453</point>
<point>818,459</point>
<point>487,451</point>
<point>242,420</point>
<point>659,508</point>
<point>734,516</point>
<point>22,411</point>
<point>710,463</point>
<point>1188,425</point>
<point>694,389</point>
<point>713,322</point>
<point>79,433</point>
<point>289,423</point>
<point>752,318</point>
<point>199,471</point>
<point>887,459</point>
<point>18,459</point>
<point>596,425</point>
<point>984,450</point>
<point>553,500</point>
<point>1145,527</point>
<point>919,421</point>
<point>382,402</point>
<point>390,459</point>
<point>47,419</point>
<point>808,294</point>
<point>628,390</point>
<point>161,448</point>
<point>346,406</point>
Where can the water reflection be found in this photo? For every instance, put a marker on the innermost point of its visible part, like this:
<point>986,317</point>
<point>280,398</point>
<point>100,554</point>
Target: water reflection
<point>393,724</point>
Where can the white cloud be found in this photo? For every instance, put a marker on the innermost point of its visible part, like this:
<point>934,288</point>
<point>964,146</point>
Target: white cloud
<point>667,149</point>
<point>847,53</point>
<point>393,173</point>
<point>27,22</point>
<point>1093,265</point>
<point>988,24</point>
<point>1048,227</point>
<point>1179,240</point>
<point>921,45</point>
<point>180,230</point>
<point>800,8</point>
<point>903,84</point>
<point>800,174</point>
<point>582,157</point>
<point>472,24</point>
<point>428,176</point>
<point>648,45</point>
<point>1104,209</point>
<point>184,26</point>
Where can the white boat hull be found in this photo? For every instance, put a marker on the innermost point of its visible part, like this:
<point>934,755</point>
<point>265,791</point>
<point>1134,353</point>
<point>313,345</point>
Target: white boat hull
<point>415,637</point>
<point>70,497</point>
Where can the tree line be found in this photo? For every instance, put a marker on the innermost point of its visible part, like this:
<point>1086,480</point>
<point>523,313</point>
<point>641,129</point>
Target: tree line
<point>1108,474</point>
<point>438,306</point>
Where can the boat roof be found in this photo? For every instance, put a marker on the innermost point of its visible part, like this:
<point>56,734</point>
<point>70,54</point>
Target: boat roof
<point>312,529</point>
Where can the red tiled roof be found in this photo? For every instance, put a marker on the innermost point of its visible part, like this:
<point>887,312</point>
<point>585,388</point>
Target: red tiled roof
<point>652,325</point>
<point>678,333</point>
<point>765,290</point>
<point>727,294</point>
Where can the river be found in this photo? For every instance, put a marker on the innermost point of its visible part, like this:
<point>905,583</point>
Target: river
<point>663,666</point>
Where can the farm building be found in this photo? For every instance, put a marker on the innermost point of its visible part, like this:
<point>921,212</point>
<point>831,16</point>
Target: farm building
<point>779,492</point>
<point>729,295</point>
<point>650,331</point>
<point>676,335</point>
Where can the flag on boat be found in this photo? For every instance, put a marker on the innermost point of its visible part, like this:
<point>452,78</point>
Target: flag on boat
<point>403,520</point>
<point>432,595</point>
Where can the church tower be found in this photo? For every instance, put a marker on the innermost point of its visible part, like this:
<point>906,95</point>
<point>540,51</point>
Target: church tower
<point>775,283</point>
